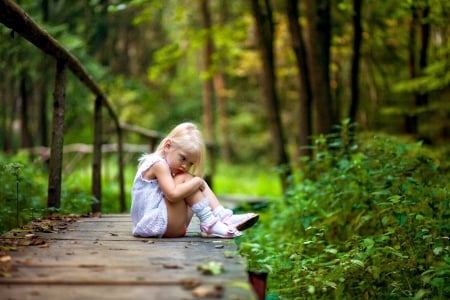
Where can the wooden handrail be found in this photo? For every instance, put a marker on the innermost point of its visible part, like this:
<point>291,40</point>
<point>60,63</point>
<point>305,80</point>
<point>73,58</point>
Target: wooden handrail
<point>14,17</point>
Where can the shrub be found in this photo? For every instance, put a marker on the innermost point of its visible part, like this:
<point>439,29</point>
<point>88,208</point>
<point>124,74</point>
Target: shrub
<point>21,194</point>
<point>363,221</point>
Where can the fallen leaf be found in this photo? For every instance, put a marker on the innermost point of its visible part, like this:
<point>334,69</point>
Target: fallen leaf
<point>229,254</point>
<point>208,291</point>
<point>4,259</point>
<point>5,274</point>
<point>211,268</point>
<point>190,283</point>
<point>174,266</point>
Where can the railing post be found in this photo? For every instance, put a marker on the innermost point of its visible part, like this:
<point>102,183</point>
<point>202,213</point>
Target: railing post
<point>97,159</point>
<point>57,143</point>
<point>121,170</point>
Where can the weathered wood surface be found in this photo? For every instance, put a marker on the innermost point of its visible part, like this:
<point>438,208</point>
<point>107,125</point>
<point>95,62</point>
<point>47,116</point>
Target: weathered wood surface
<point>98,258</point>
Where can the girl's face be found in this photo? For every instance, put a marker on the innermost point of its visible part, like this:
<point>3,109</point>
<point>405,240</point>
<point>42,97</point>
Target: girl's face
<point>179,161</point>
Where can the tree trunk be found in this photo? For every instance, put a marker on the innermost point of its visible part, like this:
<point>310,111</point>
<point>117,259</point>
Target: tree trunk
<point>43,115</point>
<point>422,98</point>
<point>299,48</point>
<point>410,118</point>
<point>225,147</point>
<point>7,114</point>
<point>208,107</point>
<point>265,34</point>
<point>222,100</point>
<point>56,157</point>
<point>97,157</point>
<point>354,76</point>
<point>319,39</point>
<point>25,134</point>
<point>45,65</point>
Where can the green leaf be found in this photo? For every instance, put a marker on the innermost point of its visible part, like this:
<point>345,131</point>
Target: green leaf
<point>211,268</point>
<point>368,243</point>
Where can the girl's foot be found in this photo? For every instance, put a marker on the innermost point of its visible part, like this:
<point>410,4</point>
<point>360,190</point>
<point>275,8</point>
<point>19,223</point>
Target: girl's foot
<point>219,229</point>
<point>241,221</point>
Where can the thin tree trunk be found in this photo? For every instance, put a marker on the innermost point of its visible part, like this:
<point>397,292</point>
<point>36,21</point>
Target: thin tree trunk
<point>422,98</point>
<point>225,147</point>
<point>56,157</point>
<point>354,76</point>
<point>25,134</point>
<point>207,82</point>
<point>410,119</point>
<point>7,113</point>
<point>319,38</point>
<point>97,157</point>
<point>208,86</point>
<point>265,33</point>
<point>305,99</point>
<point>222,100</point>
<point>120,157</point>
<point>43,115</point>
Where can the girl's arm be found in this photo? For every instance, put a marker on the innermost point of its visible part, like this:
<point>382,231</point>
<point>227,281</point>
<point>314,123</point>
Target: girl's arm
<point>175,192</point>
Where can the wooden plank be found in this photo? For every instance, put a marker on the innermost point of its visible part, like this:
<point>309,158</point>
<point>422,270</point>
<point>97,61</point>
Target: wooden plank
<point>108,292</point>
<point>98,258</point>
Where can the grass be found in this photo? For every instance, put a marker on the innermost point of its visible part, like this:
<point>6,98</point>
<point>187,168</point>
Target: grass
<point>246,180</point>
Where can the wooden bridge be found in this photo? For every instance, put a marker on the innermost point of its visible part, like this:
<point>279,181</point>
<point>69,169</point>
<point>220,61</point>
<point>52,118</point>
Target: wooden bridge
<point>98,258</point>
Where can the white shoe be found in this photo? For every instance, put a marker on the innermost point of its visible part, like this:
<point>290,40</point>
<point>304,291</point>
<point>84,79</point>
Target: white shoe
<point>241,221</point>
<point>218,229</point>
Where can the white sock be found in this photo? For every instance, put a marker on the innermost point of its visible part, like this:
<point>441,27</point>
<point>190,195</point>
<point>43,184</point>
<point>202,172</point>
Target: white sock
<point>222,213</point>
<point>203,211</point>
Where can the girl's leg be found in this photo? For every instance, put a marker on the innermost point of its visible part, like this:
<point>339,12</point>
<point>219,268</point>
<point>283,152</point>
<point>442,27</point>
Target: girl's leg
<point>200,204</point>
<point>213,201</point>
<point>179,214</point>
<point>239,221</point>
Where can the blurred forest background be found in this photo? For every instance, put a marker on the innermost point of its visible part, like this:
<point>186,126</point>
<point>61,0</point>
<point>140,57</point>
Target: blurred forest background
<point>161,62</point>
<point>324,95</point>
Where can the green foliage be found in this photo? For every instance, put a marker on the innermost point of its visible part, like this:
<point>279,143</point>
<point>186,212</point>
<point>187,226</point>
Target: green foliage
<point>23,196</point>
<point>21,193</point>
<point>366,220</point>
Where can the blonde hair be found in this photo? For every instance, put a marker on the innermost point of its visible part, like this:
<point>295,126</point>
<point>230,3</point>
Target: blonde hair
<point>187,136</point>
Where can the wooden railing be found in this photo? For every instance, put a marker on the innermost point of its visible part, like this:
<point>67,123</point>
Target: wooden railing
<point>14,17</point>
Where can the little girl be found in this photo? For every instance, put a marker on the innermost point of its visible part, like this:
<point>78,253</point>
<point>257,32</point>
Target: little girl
<point>165,194</point>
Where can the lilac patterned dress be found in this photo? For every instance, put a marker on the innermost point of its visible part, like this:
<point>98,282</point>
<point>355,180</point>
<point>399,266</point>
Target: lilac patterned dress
<point>148,207</point>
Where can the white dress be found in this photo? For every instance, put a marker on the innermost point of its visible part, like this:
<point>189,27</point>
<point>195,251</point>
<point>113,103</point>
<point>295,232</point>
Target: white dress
<point>148,207</point>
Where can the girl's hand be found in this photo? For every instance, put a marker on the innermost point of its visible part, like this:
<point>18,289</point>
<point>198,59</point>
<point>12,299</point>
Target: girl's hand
<point>202,186</point>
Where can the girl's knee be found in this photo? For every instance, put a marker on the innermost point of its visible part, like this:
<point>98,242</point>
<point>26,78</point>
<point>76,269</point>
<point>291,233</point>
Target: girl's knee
<point>180,178</point>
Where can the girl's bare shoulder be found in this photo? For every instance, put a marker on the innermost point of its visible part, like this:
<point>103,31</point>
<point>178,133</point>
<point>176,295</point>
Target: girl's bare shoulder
<point>155,170</point>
